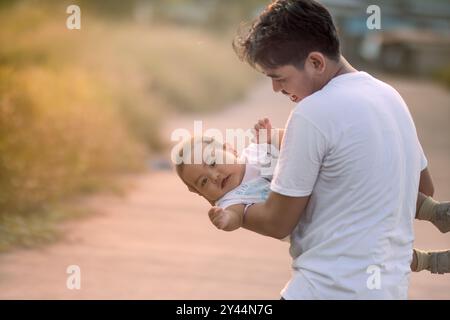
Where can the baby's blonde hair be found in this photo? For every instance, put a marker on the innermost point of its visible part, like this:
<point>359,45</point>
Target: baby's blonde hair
<point>185,150</point>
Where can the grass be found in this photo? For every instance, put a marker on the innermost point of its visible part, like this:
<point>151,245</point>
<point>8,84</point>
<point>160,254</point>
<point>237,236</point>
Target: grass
<point>78,108</point>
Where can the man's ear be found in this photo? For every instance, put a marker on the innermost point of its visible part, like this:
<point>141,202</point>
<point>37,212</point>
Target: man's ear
<point>316,62</point>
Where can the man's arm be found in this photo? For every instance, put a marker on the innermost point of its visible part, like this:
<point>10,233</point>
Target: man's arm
<point>426,189</point>
<point>426,183</point>
<point>276,217</point>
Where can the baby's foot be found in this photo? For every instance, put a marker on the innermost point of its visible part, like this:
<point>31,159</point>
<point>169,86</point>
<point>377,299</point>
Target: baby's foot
<point>439,262</point>
<point>441,217</point>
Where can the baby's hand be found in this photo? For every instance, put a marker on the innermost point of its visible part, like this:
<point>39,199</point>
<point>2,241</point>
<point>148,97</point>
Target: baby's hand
<point>224,219</point>
<point>266,125</point>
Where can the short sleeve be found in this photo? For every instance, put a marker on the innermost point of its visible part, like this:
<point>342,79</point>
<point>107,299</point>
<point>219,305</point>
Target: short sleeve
<point>423,159</point>
<point>302,152</point>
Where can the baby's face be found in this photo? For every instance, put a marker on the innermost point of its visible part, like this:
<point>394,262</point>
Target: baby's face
<point>213,178</point>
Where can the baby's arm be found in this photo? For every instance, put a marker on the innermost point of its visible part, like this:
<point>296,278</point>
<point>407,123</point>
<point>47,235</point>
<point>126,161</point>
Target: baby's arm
<point>228,219</point>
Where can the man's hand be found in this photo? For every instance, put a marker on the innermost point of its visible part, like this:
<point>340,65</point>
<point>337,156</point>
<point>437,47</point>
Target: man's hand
<point>263,124</point>
<point>226,219</point>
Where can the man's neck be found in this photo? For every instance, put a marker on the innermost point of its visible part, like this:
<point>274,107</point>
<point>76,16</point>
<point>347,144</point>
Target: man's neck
<point>339,68</point>
<point>342,67</point>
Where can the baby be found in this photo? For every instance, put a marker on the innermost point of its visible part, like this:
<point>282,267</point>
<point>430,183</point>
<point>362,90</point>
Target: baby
<point>230,183</point>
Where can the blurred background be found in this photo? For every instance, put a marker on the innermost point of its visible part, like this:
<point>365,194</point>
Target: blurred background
<point>85,123</point>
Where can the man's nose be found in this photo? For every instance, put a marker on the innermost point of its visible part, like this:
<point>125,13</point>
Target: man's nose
<point>276,85</point>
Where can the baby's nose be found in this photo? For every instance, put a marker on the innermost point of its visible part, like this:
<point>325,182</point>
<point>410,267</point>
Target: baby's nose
<point>214,178</point>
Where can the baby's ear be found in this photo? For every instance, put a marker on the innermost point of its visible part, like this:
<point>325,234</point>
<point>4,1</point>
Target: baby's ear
<point>229,148</point>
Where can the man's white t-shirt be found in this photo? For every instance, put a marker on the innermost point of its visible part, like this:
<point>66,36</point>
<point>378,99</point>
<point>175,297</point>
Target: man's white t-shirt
<point>353,147</point>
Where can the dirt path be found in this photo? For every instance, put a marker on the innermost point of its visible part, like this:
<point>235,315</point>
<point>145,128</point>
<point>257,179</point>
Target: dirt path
<point>157,243</point>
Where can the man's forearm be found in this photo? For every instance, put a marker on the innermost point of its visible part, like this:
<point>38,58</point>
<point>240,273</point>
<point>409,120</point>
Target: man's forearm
<point>276,217</point>
<point>259,219</point>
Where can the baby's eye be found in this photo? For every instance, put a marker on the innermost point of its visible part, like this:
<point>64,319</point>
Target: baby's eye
<point>203,182</point>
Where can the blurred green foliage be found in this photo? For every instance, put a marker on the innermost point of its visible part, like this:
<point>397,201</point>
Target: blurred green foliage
<point>78,107</point>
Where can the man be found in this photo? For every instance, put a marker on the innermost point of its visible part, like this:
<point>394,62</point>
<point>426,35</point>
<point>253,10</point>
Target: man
<point>350,166</point>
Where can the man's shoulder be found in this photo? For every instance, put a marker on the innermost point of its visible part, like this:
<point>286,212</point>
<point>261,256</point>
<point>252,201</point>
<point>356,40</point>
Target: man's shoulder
<point>344,95</point>
<point>318,102</point>
<point>315,109</point>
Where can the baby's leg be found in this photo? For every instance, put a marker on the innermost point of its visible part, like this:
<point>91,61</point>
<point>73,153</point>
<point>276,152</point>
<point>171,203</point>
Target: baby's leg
<point>438,213</point>
<point>433,261</point>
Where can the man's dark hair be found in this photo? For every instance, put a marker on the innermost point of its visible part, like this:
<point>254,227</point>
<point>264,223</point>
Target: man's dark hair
<point>286,32</point>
